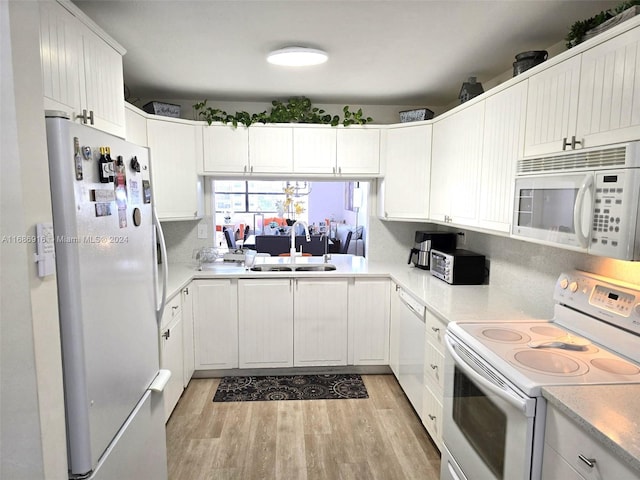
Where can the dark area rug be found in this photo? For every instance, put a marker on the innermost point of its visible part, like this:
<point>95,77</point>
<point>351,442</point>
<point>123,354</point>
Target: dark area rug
<point>290,387</point>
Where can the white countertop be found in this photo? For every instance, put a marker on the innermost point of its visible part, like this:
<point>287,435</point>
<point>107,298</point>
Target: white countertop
<point>449,302</point>
<point>608,412</point>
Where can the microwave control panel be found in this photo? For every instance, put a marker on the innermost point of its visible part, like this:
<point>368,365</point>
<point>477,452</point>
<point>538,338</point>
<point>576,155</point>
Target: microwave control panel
<point>614,223</point>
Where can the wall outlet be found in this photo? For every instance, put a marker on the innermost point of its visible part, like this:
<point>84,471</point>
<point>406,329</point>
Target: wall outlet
<point>202,231</point>
<point>462,239</point>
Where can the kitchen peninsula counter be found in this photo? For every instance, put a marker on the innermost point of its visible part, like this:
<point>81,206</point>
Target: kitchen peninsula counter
<point>608,413</point>
<point>467,303</point>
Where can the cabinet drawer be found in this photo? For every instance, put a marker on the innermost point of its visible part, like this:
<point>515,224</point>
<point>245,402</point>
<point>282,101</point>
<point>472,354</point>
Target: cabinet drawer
<point>434,366</point>
<point>171,310</point>
<point>562,435</point>
<point>435,329</point>
<point>432,415</point>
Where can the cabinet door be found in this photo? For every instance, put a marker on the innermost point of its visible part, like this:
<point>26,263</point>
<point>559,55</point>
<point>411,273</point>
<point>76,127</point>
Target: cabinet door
<point>609,105</point>
<point>358,151</point>
<point>171,338</point>
<point>314,150</point>
<point>226,149</point>
<point>103,80</point>
<point>215,315</point>
<point>136,126</point>
<point>369,322</point>
<point>394,330</point>
<point>455,166</point>
<point>552,107</point>
<point>265,322</point>
<point>173,150</point>
<point>270,149</point>
<point>405,187</point>
<point>61,57</point>
<point>502,146</point>
<point>320,325</point>
<point>187,331</point>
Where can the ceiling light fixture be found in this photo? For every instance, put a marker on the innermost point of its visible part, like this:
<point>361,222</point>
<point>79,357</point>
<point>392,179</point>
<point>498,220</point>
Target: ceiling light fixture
<point>297,57</point>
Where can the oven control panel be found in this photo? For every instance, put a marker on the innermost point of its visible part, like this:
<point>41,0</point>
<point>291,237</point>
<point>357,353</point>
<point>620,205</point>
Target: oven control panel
<point>603,298</point>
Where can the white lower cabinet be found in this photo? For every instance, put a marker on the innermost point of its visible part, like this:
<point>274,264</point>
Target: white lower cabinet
<point>320,322</point>
<point>571,453</point>
<point>433,377</point>
<point>265,322</point>
<point>187,334</point>
<point>171,353</point>
<point>369,321</point>
<point>395,307</point>
<point>215,313</point>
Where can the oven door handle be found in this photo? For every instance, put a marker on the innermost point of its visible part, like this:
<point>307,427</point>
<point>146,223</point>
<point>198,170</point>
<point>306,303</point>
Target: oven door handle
<point>577,210</point>
<point>525,405</point>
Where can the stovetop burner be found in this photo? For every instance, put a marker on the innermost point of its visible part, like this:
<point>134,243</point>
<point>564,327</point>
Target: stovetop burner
<point>505,335</point>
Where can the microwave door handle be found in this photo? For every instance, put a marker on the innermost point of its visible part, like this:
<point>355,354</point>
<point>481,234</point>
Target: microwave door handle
<point>577,210</point>
<point>524,405</point>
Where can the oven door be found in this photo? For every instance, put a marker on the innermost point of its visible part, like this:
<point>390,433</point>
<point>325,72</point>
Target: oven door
<point>555,209</point>
<point>488,423</point>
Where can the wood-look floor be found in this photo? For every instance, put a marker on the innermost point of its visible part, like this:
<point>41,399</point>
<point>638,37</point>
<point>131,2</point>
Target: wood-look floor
<point>376,438</point>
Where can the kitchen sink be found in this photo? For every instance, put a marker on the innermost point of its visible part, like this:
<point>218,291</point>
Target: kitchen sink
<point>325,267</point>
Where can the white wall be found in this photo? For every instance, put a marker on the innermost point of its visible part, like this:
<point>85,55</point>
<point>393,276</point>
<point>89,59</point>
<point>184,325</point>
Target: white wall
<point>33,432</point>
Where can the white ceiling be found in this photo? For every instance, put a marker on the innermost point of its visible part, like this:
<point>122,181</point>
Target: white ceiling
<point>384,52</point>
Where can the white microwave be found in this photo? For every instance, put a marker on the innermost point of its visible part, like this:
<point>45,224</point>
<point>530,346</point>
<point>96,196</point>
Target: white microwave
<point>587,201</point>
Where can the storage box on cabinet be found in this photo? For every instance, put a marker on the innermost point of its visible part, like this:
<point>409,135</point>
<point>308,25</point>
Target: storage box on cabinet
<point>215,313</point>
<point>564,455</point>
<point>81,71</point>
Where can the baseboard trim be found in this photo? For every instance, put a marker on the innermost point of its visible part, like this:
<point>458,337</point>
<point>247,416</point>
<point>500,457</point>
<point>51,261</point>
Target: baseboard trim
<point>361,369</point>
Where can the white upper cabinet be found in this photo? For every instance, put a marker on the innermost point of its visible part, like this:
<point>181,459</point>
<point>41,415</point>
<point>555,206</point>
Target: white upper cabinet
<point>455,166</point>
<point>609,103</point>
<point>270,149</point>
<point>588,100</point>
<point>358,151</point>
<point>502,146</point>
<point>175,150</point>
<point>404,191</point>
<point>226,149</point>
<point>136,125</point>
<point>552,107</point>
<point>81,71</point>
<point>314,150</point>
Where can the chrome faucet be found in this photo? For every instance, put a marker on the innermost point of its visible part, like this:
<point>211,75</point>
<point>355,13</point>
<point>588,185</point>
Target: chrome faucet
<point>327,256</point>
<point>292,251</point>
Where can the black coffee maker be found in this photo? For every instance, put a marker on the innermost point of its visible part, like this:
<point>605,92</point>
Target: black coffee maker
<point>425,241</point>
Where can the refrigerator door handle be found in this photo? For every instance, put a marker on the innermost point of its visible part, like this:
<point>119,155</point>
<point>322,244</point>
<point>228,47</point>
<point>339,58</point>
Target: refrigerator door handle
<point>160,381</point>
<point>165,267</point>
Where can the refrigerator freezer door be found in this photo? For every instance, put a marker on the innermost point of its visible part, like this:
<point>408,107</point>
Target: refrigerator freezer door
<point>106,286</point>
<point>140,449</point>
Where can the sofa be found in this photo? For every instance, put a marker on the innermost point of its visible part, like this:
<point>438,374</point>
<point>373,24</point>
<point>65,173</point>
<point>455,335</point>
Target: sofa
<point>351,239</point>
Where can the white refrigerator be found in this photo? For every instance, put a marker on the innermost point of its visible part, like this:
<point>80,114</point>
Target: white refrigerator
<point>105,248</point>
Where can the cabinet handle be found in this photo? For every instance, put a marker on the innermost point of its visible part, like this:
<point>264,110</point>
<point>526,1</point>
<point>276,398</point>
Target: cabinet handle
<point>186,291</point>
<point>433,367</point>
<point>340,170</point>
<point>575,142</point>
<point>251,168</point>
<point>591,462</point>
<point>334,170</point>
<point>174,307</point>
<point>431,417</point>
<point>244,169</point>
<point>435,329</point>
<point>166,334</point>
<point>565,144</point>
<point>86,118</point>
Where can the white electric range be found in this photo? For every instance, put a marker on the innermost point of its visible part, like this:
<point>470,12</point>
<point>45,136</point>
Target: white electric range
<point>494,412</point>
